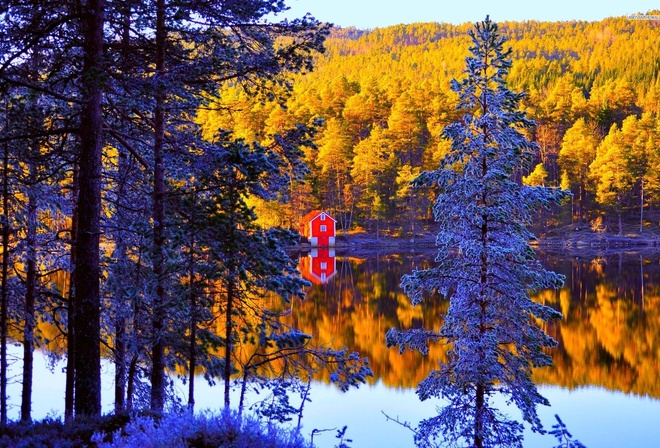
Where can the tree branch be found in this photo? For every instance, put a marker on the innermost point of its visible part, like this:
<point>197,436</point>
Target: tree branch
<point>129,147</point>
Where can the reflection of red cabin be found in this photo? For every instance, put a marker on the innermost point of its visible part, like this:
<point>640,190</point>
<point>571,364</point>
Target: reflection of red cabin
<point>319,228</point>
<point>319,266</point>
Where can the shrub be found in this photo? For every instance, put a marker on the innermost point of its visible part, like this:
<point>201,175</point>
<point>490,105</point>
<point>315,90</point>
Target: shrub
<point>180,430</point>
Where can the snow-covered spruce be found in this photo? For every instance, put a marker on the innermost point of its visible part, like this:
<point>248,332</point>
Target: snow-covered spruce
<point>484,266</point>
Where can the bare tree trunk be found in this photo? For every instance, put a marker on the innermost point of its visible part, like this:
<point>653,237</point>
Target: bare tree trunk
<point>580,202</point>
<point>158,343</point>
<point>28,311</point>
<point>120,329</point>
<point>4,302</point>
<point>120,321</point>
<point>135,324</point>
<point>69,392</point>
<point>120,365</point>
<point>479,415</point>
<point>241,400</point>
<point>193,361</point>
<point>87,313</point>
<point>193,322</point>
<point>641,207</point>
<point>228,337</point>
<point>130,383</point>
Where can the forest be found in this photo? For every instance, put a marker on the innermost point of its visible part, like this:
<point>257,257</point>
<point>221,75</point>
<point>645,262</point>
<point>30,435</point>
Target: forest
<point>156,157</point>
<point>126,233</point>
<point>383,96</point>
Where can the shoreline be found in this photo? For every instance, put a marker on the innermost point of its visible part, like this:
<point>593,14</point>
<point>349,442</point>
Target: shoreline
<point>573,242</point>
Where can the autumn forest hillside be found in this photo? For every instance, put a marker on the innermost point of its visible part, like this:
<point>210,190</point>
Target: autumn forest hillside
<point>381,99</point>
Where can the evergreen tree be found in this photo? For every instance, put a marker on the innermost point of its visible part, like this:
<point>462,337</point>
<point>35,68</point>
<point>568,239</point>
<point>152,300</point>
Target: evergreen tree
<point>407,125</point>
<point>374,167</point>
<point>334,160</point>
<point>578,150</point>
<point>623,165</point>
<point>485,266</point>
<point>230,42</point>
<point>536,177</point>
<point>246,264</point>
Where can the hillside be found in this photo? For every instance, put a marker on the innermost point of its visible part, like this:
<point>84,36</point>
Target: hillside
<point>384,97</point>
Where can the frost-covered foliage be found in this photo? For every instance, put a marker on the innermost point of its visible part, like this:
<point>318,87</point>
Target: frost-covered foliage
<point>244,275</point>
<point>564,437</point>
<point>205,430</point>
<point>182,429</point>
<point>485,265</point>
<point>285,361</point>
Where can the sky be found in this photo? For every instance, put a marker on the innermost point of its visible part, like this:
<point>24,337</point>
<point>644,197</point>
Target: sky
<point>366,14</point>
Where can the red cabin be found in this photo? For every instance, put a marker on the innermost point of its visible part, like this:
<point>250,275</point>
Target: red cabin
<point>319,265</point>
<point>319,228</point>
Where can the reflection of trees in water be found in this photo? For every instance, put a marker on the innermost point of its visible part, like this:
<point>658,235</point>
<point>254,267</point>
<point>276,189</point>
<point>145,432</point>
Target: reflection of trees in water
<point>360,304</point>
<point>610,335</point>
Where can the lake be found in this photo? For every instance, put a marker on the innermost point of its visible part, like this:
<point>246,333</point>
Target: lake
<point>604,384</point>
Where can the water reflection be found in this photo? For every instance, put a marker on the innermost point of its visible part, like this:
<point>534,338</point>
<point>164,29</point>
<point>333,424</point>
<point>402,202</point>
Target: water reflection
<point>319,265</point>
<point>604,382</point>
<point>610,335</point>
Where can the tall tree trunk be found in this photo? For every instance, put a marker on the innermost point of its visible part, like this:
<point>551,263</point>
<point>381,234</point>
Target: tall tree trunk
<point>480,398</point>
<point>135,343</point>
<point>120,346</point>
<point>119,321</point>
<point>479,415</point>
<point>241,399</point>
<point>158,344</point>
<point>4,302</point>
<point>120,365</point>
<point>120,354</point>
<point>130,383</point>
<point>120,325</point>
<point>193,315</point>
<point>28,311</point>
<point>641,206</point>
<point>69,390</point>
<point>192,354</point>
<point>87,307</point>
<point>581,201</point>
<point>228,337</point>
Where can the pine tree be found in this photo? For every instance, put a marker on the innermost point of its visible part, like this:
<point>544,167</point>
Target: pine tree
<point>485,265</point>
<point>374,167</point>
<point>578,150</point>
<point>246,263</point>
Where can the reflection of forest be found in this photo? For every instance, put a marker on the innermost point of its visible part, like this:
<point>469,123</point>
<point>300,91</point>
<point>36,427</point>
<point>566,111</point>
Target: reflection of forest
<point>610,335</point>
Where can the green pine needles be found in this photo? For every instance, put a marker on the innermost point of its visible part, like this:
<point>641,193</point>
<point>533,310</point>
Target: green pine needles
<point>485,266</point>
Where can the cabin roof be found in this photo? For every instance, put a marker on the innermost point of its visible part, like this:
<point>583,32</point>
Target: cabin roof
<point>314,213</point>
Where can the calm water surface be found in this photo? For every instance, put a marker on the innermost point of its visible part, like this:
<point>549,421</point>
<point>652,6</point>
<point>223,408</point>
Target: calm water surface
<point>604,384</point>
